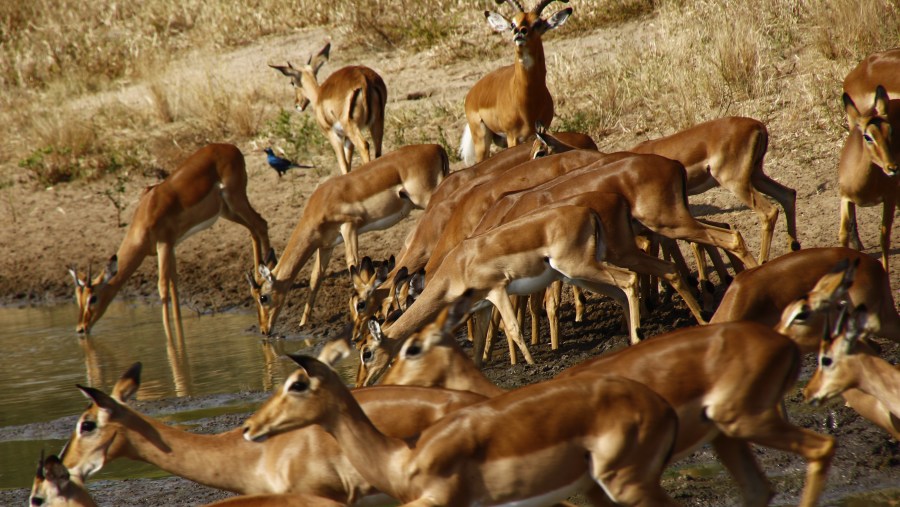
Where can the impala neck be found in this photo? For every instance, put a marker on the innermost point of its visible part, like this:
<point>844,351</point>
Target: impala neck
<point>131,253</point>
<point>877,377</point>
<point>463,375</point>
<point>429,304</point>
<point>380,460</point>
<point>311,87</point>
<point>212,460</point>
<point>530,68</point>
<point>301,246</point>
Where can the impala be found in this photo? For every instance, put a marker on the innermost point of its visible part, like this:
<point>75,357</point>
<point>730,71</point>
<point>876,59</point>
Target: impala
<point>506,103</point>
<point>211,183</point>
<point>351,99</point>
<point>847,366</point>
<point>53,487</point>
<point>375,197</point>
<point>509,450</point>
<point>731,380</point>
<point>729,152</point>
<point>877,69</point>
<point>307,461</point>
<point>867,171</point>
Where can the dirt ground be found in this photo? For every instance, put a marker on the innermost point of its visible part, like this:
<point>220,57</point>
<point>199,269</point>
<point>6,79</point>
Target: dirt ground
<point>45,230</point>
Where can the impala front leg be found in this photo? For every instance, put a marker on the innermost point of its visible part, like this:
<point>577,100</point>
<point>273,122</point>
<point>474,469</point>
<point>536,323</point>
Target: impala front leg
<point>500,298</point>
<point>166,258</point>
<point>323,255</point>
<point>848,235</point>
<point>351,243</point>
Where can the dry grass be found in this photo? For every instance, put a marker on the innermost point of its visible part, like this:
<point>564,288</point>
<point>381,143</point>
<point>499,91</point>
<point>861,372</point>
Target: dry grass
<point>694,60</point>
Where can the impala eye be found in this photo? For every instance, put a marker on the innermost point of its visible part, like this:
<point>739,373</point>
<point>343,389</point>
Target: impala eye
<point>36,500</point>
<point>826,361</point>
<point>540,154</point>
<point>413,350</point>
<point>87,426</point>
<point>367,355</point>
<point>868,138</point>
<point>299,386</point>
<point>360,306</point>
<point>92,300</point>
<point>264,299</point>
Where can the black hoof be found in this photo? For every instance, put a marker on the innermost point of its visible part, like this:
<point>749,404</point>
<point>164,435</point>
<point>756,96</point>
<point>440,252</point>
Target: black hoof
<point>795,245</point>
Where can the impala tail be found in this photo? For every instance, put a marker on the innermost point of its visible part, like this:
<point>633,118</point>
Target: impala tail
<point>467,147</point>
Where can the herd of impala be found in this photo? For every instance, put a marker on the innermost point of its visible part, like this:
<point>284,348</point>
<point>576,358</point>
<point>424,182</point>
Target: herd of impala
<point>506,232</point>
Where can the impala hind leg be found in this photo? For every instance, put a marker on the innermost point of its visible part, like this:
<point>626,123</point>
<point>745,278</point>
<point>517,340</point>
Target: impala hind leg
<point>848,235</point>
<point>552,296</point>
<point>739,460</point>
<point>337,144</point>
<point>356,137</point>
<point>376,129</point>
<point>500,298</point>
<point>787,198</point>
<point>769,429</point>
<point>323,255</point>
<point>766,213</point>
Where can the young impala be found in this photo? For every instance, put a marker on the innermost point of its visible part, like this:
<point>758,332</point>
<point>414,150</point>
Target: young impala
<point>351,99</point>
<point>505,104</point>
<point>211,183</point>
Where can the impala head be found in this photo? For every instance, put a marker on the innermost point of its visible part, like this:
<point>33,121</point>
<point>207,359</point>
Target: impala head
<point>304,76</point>
<point>374,355</point>
<point>53,486</point>
<point>527,27</point>
<point>99,432</point>
<point>93,294</point>
<point>809,317</point>
<point>366,278</point>
<point>264,292</point>
<point>421,352</point>
<point>835,372</point>
<point>875,130</point>
<point>303,400</point>
<point>545,144</point>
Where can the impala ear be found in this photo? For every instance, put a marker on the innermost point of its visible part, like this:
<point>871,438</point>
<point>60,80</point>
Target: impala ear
<point>112,267</point>
<point>320,58</point>
<point>458,312</point>
<point>851,110</point>
<point>254,285</point>
<point>271,259</point>
<point>557,20</point>
<point>56,472</point>
<point>375,331</point>
<point>880,108</point>
<point>128,383</point>
<point>498,22</point>
<point>101,399</point>
<point>856,327</point>
<point>78,281</point>
<point>266,273</point>
<point>287,70</point>
<point>335,351</point>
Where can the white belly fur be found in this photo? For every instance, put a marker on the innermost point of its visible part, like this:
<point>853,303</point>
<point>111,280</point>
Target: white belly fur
<point>197,228</point>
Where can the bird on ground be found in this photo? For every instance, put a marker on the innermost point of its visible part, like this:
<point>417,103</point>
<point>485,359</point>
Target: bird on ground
<point>281,165</point>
